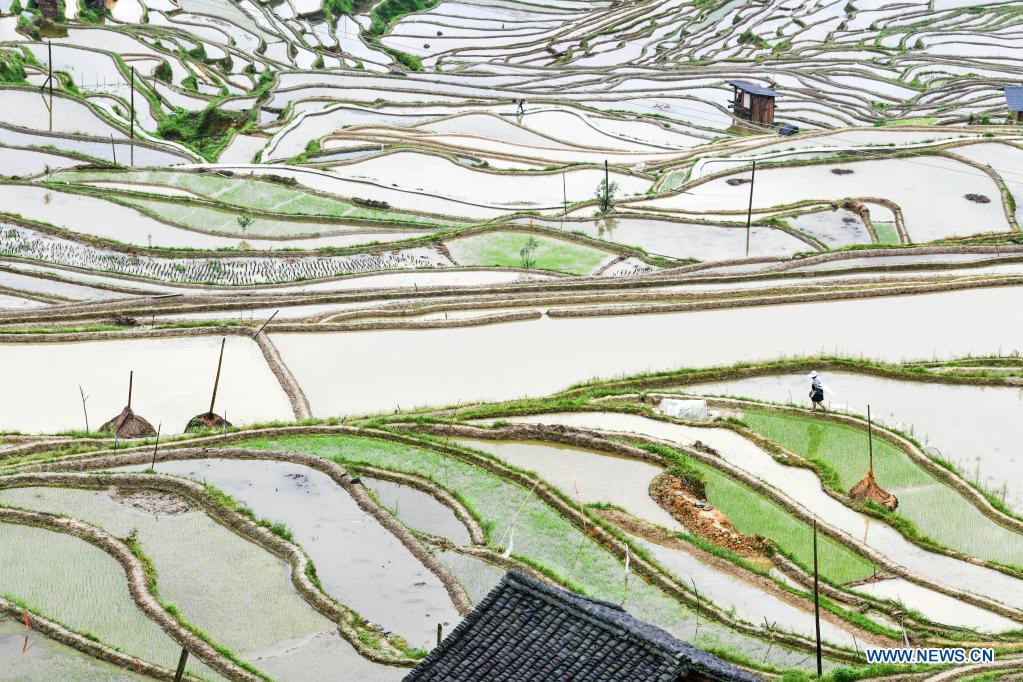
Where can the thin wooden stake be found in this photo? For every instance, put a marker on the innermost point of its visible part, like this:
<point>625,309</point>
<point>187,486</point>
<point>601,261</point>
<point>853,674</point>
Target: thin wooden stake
<point>156,445</point>
<point>216,381</point>
<point>749,211</point>
<point>816,602</point>
<point>131,378</point>
<point>870,441</point>
<point>268,322</point>
<point>113,149</point>
<point>85,411</point>
<point>181,665</point>
<point>440,633</point>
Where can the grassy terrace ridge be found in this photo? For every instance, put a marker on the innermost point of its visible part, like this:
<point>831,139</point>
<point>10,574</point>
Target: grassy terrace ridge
<point>542,538</point>
<point>936,514</point>
<point>253,193</point>
<point>521,249</point>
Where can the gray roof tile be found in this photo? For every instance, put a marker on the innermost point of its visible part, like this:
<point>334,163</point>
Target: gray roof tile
<point>1014,97</point>
<point>526,630</point>
<point>752,88</point>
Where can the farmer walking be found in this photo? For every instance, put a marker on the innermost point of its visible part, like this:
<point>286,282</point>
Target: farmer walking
<point>816,391</point>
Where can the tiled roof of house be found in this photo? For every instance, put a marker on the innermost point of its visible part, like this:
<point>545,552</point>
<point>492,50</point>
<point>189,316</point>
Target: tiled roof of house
<point>752,88</point>
<point>527,630</point>
<point>1014,97</point>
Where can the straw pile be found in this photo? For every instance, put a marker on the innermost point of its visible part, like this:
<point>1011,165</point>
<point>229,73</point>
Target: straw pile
<point>868,489</point>
<point>129,425</point>
<point>206,420</point>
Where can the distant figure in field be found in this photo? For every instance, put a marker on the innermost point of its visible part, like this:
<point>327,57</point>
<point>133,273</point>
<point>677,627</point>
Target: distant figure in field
<point>816,391</point>
<point>522,106</point>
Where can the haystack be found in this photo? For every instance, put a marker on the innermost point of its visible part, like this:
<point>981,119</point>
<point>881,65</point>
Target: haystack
<point>209,419</point>
<point>867,488</point>
<point>128,424</point>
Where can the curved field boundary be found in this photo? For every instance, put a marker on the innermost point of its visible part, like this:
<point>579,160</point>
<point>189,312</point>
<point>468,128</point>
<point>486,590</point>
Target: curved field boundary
<point>476,532</point>
<point>87,646</point>
<point>186,450</point>
<point>903,290</point>
<point>345,618</point>
<point>593,527</point>
<point>944,475</point>
<point>137,586</point>
<point>592,440</point>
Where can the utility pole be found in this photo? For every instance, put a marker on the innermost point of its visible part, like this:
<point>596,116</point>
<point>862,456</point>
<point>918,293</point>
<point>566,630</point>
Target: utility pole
<point>816,601</point>
<point>131,119</point>
<point>49,80</point>
<point>749,211</point>
<point>564,190</point>
<point>181,665</point>
<point>156,446</point>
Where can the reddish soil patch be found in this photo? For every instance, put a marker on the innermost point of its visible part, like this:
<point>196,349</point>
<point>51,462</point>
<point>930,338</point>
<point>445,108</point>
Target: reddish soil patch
<point>977,198</point>
<point>673,495</point>
<point>735,182</point>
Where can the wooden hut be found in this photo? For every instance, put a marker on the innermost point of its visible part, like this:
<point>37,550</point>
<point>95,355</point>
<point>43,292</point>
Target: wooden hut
<point>1014,99</point>
<point>49,9</point>
<point>752,103</point>
<point>528,630</point>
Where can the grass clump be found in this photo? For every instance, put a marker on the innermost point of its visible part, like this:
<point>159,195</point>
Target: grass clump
<point>519,249</point>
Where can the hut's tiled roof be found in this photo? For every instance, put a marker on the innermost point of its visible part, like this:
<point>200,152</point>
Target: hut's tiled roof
<point>752,88</point>
<point>1014,97</point>
<point>525,630</point>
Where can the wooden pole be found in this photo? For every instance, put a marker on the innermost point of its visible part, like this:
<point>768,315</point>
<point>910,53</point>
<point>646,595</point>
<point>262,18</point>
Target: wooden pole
<point>816,602</point>
<point>131,119</point>
<point>113,148</point>
<point>564,191</point>
<point>131,378</point>
<point>156,445</point>
<point>271,320</point>
<point>216,381</point>
<point>49,79</point>
<point>870,442</point>
<point>181,665</point>
<point>749,211</point>
<point>440,633</point>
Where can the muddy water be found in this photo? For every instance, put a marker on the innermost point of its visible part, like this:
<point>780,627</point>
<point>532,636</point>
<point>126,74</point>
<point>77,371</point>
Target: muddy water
<point>748,602</point>
<point>228,587</point>
<point>40,658</point>
<point>306,659</point>
<point>418,510</point>
<point>585,475</point>
<point>359,563</point>
<point>173,383</point>
<point>937,606</point>
<point>803,487</point>
<point>93,597</point>
<point>987,452</point>
<point>435,367</point>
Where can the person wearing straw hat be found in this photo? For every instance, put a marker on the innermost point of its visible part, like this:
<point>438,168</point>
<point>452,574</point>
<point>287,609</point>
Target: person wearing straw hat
<point>816,391</point>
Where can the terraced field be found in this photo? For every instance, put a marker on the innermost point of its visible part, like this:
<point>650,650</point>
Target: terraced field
<point>319,316</point>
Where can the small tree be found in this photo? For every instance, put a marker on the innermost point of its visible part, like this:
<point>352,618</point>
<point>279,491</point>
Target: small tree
<point>244,221</point>
<point>526,253</point>
<point>605,195</point>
